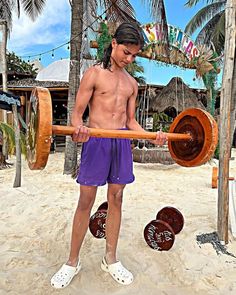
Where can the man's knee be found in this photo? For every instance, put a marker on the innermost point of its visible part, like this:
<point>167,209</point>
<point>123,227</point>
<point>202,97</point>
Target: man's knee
<point>116,197</point>
<point>86,201</point>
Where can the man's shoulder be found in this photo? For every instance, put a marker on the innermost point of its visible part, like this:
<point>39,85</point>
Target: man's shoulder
<point>95,69</point>
<point>131,79</point>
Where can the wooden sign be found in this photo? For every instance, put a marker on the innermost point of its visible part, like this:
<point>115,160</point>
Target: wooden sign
<point>182,48</point>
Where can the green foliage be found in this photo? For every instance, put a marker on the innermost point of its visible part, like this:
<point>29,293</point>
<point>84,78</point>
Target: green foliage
<point>210,19</point>
<point>161,121</point>
<point>9,135</point>
<point>16,64</point>
<point>134,69</point>
<point>103,40</point>
<point>217,152</point>
<point>210,81</point>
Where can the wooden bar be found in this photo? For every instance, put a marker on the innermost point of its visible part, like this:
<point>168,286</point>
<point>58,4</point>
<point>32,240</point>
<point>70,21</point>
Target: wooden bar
<point>95,132</point>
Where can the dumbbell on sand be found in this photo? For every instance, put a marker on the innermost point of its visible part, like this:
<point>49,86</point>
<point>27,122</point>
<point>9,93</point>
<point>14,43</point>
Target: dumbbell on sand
<point>160,233</point>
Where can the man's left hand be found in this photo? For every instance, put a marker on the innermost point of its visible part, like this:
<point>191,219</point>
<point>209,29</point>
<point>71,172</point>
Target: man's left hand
<point>161,138</point>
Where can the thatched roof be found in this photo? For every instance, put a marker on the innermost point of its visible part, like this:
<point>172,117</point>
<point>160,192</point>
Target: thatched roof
<point>175,94</point>
<point>30,83</point>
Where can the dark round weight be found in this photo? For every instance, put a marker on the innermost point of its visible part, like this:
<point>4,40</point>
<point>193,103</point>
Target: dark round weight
<point>97,224</point>
<point>204,131</point>
<point>104,206</point>
<point>173,217</point>
<point>159,235</point>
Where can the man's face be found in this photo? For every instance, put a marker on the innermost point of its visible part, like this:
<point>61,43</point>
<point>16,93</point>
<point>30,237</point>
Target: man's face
<point>124,54</point>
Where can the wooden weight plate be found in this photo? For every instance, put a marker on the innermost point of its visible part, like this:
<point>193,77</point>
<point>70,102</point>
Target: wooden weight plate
<point>203,129</point>
<point>159,235</point>
<point>39,128</point>
<point>97,224</point>
<point>104,206</point>
<point>173,217</point>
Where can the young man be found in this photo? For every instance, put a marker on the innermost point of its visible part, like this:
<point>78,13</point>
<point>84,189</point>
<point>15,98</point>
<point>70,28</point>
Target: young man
<point>110,93</point>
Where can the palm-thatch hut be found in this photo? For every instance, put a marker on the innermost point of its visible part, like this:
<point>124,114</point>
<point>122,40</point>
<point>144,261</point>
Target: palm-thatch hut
<point>175,97</point>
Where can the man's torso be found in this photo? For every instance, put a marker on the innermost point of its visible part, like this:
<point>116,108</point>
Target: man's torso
<point>108,104</point>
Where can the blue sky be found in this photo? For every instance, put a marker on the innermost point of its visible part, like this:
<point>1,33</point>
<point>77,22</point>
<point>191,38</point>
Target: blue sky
<point>52,29</point>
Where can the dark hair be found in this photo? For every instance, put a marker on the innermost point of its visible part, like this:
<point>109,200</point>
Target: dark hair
<point>126,33</point>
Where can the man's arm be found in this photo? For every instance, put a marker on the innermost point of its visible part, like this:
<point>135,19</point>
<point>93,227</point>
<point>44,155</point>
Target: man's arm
<point>83,97</point>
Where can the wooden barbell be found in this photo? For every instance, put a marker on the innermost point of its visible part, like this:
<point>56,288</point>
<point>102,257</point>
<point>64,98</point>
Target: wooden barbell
<point>192,139</point>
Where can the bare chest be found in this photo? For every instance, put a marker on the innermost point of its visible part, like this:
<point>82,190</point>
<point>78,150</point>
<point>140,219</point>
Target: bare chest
<point>116,86</point>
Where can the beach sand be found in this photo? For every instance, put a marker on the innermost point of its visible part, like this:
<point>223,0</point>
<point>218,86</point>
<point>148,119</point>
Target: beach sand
<point>35,229</point>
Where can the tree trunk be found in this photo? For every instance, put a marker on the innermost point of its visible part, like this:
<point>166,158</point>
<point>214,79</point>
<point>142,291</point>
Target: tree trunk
<point>225,105</point>
<point>17,181</point>
<point>3,70</point>
<point>74,80</point>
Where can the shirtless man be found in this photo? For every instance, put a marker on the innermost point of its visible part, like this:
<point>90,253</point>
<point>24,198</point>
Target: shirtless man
<point>110,92</point>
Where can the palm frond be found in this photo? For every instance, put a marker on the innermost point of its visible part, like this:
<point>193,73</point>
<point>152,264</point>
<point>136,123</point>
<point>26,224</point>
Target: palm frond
<point>33,7</point>
<point>192,3</point>
<point>218,35</point>
<point>118,10</point>
<point>203,15</point>
<point>9,136</point>
<point>210,33</point>
<point>6,8</point>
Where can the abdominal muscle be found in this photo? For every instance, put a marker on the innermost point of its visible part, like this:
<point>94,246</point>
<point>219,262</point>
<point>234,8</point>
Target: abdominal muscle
<point>107,113</point>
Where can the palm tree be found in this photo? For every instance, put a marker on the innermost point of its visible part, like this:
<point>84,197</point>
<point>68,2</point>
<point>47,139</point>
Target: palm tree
<point>211,22</point>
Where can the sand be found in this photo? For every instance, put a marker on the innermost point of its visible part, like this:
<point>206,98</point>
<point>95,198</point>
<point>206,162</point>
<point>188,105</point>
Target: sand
<point>35,228</point>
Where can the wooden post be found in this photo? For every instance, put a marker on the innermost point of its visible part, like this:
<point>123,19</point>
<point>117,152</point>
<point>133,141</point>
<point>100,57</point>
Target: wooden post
<point>17,181</point>
<point>225,104</point>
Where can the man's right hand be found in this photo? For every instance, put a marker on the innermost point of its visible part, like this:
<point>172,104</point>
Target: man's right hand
<point>81,134</point>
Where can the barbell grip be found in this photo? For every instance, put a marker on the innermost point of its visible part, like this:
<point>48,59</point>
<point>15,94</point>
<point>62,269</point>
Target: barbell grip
<point>131,134</point>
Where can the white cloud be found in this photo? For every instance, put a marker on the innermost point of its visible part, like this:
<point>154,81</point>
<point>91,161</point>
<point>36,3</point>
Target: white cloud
<point>52,27</point>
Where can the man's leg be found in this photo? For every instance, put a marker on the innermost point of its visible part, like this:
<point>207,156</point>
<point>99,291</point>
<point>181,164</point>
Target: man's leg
<point>113,220</point>
<point>81,221</point>
<point>65,274</point>
<point>109,262</point>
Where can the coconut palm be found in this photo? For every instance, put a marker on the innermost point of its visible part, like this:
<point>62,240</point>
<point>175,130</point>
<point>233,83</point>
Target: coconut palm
<point>211,21</point>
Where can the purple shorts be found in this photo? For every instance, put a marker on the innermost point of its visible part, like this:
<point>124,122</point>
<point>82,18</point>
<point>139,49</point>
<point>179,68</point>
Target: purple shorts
<point>106,160</point>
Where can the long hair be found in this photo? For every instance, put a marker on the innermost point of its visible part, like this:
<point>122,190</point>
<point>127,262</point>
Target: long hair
<point>126,33</point>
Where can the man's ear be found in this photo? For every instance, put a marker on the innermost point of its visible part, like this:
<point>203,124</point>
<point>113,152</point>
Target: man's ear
<point>113,42</point>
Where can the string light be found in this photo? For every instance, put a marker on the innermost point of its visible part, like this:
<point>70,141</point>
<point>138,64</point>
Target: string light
<point>68,43</point>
